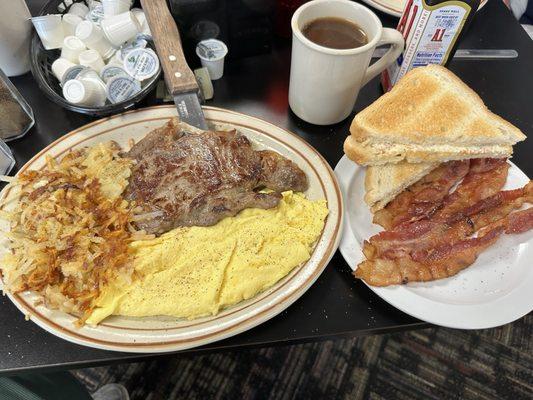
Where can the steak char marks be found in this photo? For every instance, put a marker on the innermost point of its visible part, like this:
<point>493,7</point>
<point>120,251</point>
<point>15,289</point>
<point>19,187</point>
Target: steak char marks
<point>187,177</point>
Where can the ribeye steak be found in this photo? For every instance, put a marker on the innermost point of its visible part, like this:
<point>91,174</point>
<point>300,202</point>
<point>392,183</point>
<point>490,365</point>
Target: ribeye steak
<point>187,177</point>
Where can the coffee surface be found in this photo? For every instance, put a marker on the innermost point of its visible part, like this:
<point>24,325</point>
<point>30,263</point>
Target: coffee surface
<point>335,33</point>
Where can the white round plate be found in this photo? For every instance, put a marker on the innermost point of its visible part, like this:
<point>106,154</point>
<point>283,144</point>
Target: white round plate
<point>162,334</point>
<point>495,290</point>
<point>395,7</point>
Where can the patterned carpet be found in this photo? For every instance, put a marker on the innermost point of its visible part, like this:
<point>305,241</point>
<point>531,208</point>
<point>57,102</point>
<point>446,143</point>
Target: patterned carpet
<point>434,363</point>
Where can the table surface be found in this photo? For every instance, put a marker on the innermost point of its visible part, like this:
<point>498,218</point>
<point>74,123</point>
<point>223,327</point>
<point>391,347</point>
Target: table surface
<point>336,305</point>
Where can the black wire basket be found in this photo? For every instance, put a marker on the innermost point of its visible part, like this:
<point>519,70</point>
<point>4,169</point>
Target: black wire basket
<point>41,67</point>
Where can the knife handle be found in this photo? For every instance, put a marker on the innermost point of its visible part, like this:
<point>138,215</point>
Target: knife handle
<point>178,75</point>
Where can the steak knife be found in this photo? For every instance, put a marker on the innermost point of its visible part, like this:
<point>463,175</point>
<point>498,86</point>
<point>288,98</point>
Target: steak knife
<point>179,78</point>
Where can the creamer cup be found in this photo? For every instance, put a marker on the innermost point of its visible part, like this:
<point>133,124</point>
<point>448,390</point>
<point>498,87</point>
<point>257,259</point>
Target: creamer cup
<point>60,66</point>
<point>92,59</point>
<point>78,9</point>
<point>141,17</point>
<point>70,22</point>
<point>93,37</point>
<point>89,74</point>
<point>212,53</point>
<point>96,15</point>
<point>120,28</point>
<point>141,63</point>
<point>50,30</point>
<point>72,47</point>
<point>115,7</point>
<point>94,4</point>
<point>121,88</point>
<point>116,60</point>
<point>136,43</point>
<point>72,73</point>
<point>84,92</point>
<point>110,71</point>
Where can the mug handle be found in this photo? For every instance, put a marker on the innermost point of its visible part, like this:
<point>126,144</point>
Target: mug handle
<point>395,39</point>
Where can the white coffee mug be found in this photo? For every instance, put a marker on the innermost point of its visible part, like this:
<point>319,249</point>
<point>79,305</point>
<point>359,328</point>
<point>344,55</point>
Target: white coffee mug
<point>325,82</point>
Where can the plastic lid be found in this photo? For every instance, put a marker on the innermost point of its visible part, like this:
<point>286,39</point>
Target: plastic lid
<point>121,88</point>
<point>112,70</point>
<point>141,63</point>
<point>89,56</point>
<point>84,30</point>
<point>211,49</point>
<point>72,73</point>
<point>74,91</point>
<point>73,42</point>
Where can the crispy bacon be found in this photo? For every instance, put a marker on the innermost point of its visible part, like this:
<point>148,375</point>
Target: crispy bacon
<point>421,236</point>
<point>485,178</point>
<point>423,197</point>
<point>444,260</point>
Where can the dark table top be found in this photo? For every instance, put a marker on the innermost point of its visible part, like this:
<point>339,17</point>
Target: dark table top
<point>336,305</point>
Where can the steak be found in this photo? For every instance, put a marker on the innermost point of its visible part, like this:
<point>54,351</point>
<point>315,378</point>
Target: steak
<point>187,177</point>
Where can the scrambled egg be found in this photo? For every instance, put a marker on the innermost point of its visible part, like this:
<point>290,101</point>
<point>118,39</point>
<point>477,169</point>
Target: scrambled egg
<point>197,271</point>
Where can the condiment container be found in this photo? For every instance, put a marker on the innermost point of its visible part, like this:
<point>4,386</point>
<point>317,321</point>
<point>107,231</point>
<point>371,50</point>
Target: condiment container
<point>141,63</point>
<point>120,28</point>
<point>78,9</point>
<point>72,73</point>
<point>70,22</point>
<point>122,87</point>
<point>432,29</point>
<point>16,116</point>
<point>96,15</point>
<point>110,71</point>
<point>212,53</point>
<point>94,38</point>
<point>60,67</point>
<point>50,30</point>
<point>72,47</point>
<point>114,7</point>
<point>141,17</point>
<point>87,89</point>
<point>15,34</point>
<point>92,59</point>
<point>7,161</point>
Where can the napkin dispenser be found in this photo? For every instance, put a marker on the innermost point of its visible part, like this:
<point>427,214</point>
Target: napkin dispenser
<point>244,25</point>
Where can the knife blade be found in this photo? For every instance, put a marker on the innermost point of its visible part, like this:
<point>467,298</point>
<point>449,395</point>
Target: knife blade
<point>471,54</point>
<point>180,80</point>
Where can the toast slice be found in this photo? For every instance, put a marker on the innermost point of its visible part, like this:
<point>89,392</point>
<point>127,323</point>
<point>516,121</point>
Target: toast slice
<point>430,115</point>
<point>384,182</point>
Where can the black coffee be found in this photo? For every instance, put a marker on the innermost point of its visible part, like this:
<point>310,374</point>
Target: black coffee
<point>335,33</point>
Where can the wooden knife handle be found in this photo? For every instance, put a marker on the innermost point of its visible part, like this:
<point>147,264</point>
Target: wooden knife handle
<point>178,75</point>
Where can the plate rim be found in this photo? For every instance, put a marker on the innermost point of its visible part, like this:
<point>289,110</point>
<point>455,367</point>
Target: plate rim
<point>251,318</point>
<point>344,170</point>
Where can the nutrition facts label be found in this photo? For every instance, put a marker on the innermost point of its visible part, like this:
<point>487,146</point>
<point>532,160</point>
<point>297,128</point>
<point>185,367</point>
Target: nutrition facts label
<point>429,32</point>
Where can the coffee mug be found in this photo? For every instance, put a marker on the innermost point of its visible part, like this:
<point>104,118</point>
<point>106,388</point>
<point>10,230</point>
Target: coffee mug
<point>325,82</point>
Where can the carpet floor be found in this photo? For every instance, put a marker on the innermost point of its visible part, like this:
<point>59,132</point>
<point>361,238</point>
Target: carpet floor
<point>434,363</point>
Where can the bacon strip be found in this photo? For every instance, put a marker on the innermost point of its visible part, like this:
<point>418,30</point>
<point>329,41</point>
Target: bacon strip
<point>421,236</point>
<point>457,218</point>
<point>444,260</point>
<point>423,197</point>
<point>485,178</point>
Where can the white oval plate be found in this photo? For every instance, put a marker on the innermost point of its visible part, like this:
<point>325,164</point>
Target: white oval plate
<point>162,334</point>
<point>395,7</point>
<point>495,290</point>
